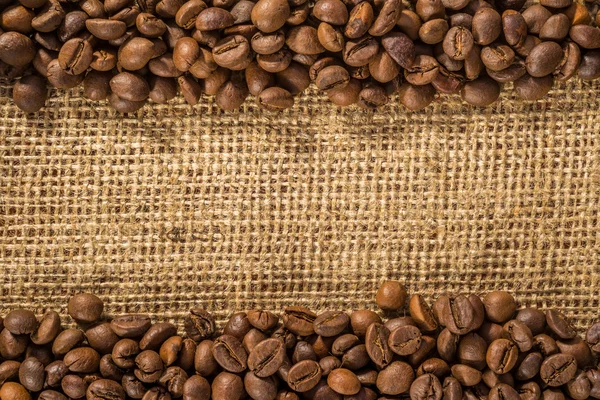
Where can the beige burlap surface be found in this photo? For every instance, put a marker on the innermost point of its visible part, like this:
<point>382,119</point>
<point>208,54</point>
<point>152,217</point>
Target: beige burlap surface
<point>180,206</point>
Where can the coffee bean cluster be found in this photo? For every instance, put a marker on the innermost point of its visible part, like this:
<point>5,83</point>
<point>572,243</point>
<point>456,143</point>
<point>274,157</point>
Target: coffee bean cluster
<point>357,51</point>
<point>460,347</point>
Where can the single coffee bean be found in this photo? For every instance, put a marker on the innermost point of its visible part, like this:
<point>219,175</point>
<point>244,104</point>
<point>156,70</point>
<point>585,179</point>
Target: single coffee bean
<point>72,25</point>
<point>332,323</point>
<point>260,388</point>
<point>559,325</point>
<point>16,49</point>
<point>433,31</point>
<point>238,324</point>
<point>467,376</point>
<point>422,314</point>
<point>156,335</point>
<point>331,11</point>
<point>332,77</point>
<point>458,43</point>
<point>105,389</point>
<point>499,306</point>
<point>533,318</point>
<point>544,59</point>
<point>304,39</point>
<point>360,20</point>
<point>400,47</point>
<point>592,336</point>
<point>487,26</point>
<point>332,39</point>
<point>555,28</point>
<point>108,369</point>
<point>230,354</point>
<point>106,29</point>
<point>12,346</point>
<point>232,52</point>
<point>502,391</point>
<point>170,349</point>
<point>481,92</point>
<point>252,339</point>
<point>267,43</point>
<point>101,337</point>
<point>545,344</point>
<point>124,353</point>
<point>298,15</point>
<point>304,351</point>
<point>93,8</point>
<point>357,357</point>
<point>49,17</point>
<point>448,82</point>
<point>568,67</point>
<point>360,320</point>
<point>124,106</point>
<point>578,349</point>
<point>514,27</point>
<point>129,86</point>
<point>435,366</point>
<point>31,374</point>
<point>529,367</point>
<point>75,57</point>
<point>491,379</point>
<point>131,325</point>
<point>344,381</point>
<point>262,320</point>
<point>502,355</point>
<point>298,320</point>
<point>430,9</point>
<point>387,18</point>
<point>452,389</point>
<point>391,296</point>
<point>214,18</point>
<point>188,13</point>
<point>344,343</point>
<point>14,391</point>
<point>558,369</point>
<point>520,334</point>
<point>426,387</point>
<point>51,395</point>
<point>133,387</point>
<point>304,375</point>
<point>266,357</point>
<point>590,65</point>
<point>535,17</point>
<point>447,345</point>
<point>328,364</point>
<point>360,52</point>
<point>497,57</point>
<point>66,341</point>
<point>162,90</point>
<point>196,388</point>
<point>55,372</point>
<point>227,386</point>
<point>17,18</point>
<point>275,62</point>
<point>270,15</point>
<point>529,391</point>
<point>580,387</point>
<point>29,94</point>
<point>149,25</point>
<point>173,380</point>
<point>149,366</point>
<point>376,341</point>
<point>455,313</point>
<point>258,79</point>
<point>395,379</point>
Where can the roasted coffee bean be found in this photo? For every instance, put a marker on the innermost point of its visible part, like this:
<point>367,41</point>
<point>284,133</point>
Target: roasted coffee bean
<point>533,318</point>
<point>458,42</point>
<point>452,389</point>
<point>157,333</point>
<point>149,366</point>
<point>422,314</point>
<point>31,374</point>
<point>466,375</point>
<point>232,52</point>
<point>131,87</point>
<point>535,17</point>
<point>520,334</point>
<point>75,57</point>
<point>559,325</point>
<point>416,98</point>
<point>149,25</point>
<point>55,372</point>
<point>266,358</point>
<point>558,369</point>
<point>447,345</point>
<point>430,9</point>
<point>396,378</point>
<point>344,343</point>
<point>555,28</point>
<point>105,389</point>
<point>257,80</point>
<point>433,31</point>
<point>529,367</point>
<point>267,43</point>
<point>499,306</point>
<point>304,39</point>
<point>72,24</point>
<point>21,322</point>
<point>332,323</point>
<point>545,344</point>
<point>253,338</point>
<point>332,77</point>
<point>275,62</point>
<point>544,59</point>
<point>82,360</point>
<point>106,29</point>
<point>448,82</point>
<point>435,366</point>
<point>303,351</point>
<point>359,21</point>
<point>577,348</point>
<point>262,320</point>
<point>304,375</point>
<point>67,340</point>
<point>230,354</point>
<point>170,349</point>
<point>270,15</point>
<point>344,381</point>
<point>131,325</point>
<point>14,391</point>
<point>101,337</point>
<point>487,26</point>
<point>124,106</point>
<point>331,38</point>
<point>124,352</point>
<point>502,355</point>
<point>29,94</point>
<point>497,57</point>
<point>391,296</point>
<point>426,386</point>
<point>16,49</point>
<point>455,313</point>
<point>590,65</point>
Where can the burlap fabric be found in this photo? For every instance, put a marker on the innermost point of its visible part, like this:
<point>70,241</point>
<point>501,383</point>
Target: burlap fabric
<point>176,206</point>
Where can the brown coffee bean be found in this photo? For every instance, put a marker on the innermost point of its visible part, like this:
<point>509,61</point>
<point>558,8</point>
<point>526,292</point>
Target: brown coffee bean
<point>149,25</point>
<point>66,341</point>
<point>359,21</point>
<point>332,77</point>
<point>376,341</point>
<point>360,52</point>
<point>188,13</point>
<point>421,313</point>
<point>30,94</point>
<point>185,53</point>
<point>331,323</point>
<point>535,17</point>
<point>304,375</point>
<point>227,386</point>
<point>213,18</point>
<point>558,369</point>
<point>566,70</point>
<point>391,296</point>
<point>555,28</point>
<point>458,43</point>
<point>434,366</point>
<point>275,62</point>
<point>135,54</point>
<point>455,313</point>
<point>400,47</point>
<point>124,106</point>
<point>559,325</point>
<point>448,82</point>
<point>232,52</point>
<point>268,43</point>
<point>426,387</point>
<point>49,17</point>
<point>556,3</point>
<point>585,36</point>
<point>481,92</point>
<point>298,15</point>
<point>131,87</point>
<point>330,38</point>
<point>106,29</point>
<point>14,391</point>
<point>55,372</point>
<point>529,367</point>
<point>331,11</point>
<point>75,56</point>
<point>502,356</point>
<point>430,9</point>
<point>499,306</point>
<point>156,335</point>
<point>131,325</point>
<point>344,381</point>
<point>149,366</point>
<point>303,351</point>
<point>304,39</point>
<point>72,24</point>
<point>533,318</point>
<point>577,348</point>
<point>258,79</point>
<point>12,346</point>
<point>467,376</point>
<point>590,65</point>
<point>328,364</point>
<point>433,31</point>
<point>487,26</point>
<point>298,320</point>
<point>497,57</point>
<point>520,334</point>
<point>544,59</point>
<point>387,18</point>
<point>266,357</point>
<point>16,49</point>
<point>82,360</point>
<point>514,27</point>
<point>396,378</point>
<point>405,340</point>
<point>17,18</point>
<point>168,8</point>
<point>383,68</point>
<point>101,338</point>
<point>31,374</point>
<point>105,389</point>
<point>124,353</point>
<point>270,15</point>
<point>229,353</point>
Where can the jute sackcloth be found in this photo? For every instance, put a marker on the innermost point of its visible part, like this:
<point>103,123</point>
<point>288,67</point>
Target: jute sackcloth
<point>179,206</point>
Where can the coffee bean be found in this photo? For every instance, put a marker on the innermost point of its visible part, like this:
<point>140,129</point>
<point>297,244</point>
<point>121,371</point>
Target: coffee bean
<point>331,11</point>
<point>487,26</point>
<point>124,353</point>
<point>376,341</point>
<point>332,323</point>
<point>156,335</point>
<point>124,106</point>
<point>520,334</point>
<point>529,367</point>
<point>533,318</point>
<point>304,39</point>
<point>82,360</point>
<point>344,343</point>
<point>266,357</point>
<point>66,341</point>
<point>232,52</point>
<point>253,338</point>
<point>75,57</point>
<point>426,387</point>
<point>344,381</point>
<point>430,9</point>
<point>330,38</point>
<point>304,375</point>
<point>360,52</point>
<point>400,47</point>
<point>328,364</point>
<point>452,390</point>
<point>268,43</point>
<point>149,25</point>
<point>359,21</point>
<point>433,31</point>
<point>448,82</point>
<point>416,98</point>
<point>213,18</point>
<point>391,296</point>
<point>421,313</point>
<point>387,18</point>
<point>499,306</point>
<point>129,86</point>
<point>55,372</point>
<point>577,348</point>
<point>170,349</point>
<point>544,59</point>
<point>447,344</point>
<point>535,17</point>
<point>497,57</point>
<point>49,17</point>
<point>72,24</point>
<point>298,320</point>
<point>501,356</point>
<point>559,325</point>
<point>590,65</point>
<point>275,62</point>
<point>466,375</point>
<point>332,77</point>
<point>29,94</point>
<point>229,353</point>
<point>304,351</point>
<point>131,325</point>
<point>558,369</point>
<point>270,15</point>
<point>106,29</point>
<point>504,392</point>
<point>14,391</point>
<point>458,43</point>
<point>190,89</point>
<point>149,366</point>
<point>396,378</point>
<point>16,49</point>
<point>31,374</point>
<point>435,366</point>
<point>555,28</point>
<point>105,389</point>
<point>455,313</point>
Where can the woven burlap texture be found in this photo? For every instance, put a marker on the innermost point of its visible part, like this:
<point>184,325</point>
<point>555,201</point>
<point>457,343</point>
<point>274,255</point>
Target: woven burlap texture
<point>179,206</point>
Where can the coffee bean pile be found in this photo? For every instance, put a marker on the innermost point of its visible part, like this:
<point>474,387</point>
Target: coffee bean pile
<point>462,347</point>
<point>358,52</point>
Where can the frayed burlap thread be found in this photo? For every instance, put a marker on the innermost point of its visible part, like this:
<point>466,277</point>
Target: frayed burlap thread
<point>176,206</point>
